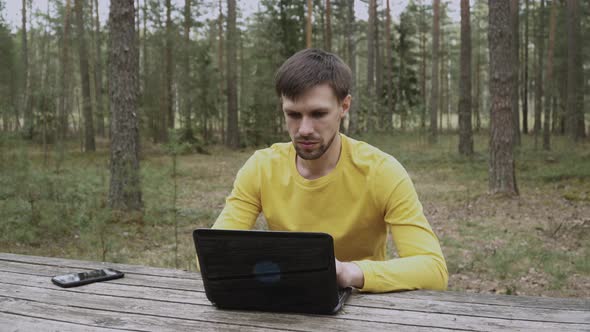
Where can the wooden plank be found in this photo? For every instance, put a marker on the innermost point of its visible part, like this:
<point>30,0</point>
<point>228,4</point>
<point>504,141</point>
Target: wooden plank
<point>351,318</point>
<point>448,296</point>
<point>78,319</point>
<point>115,306</point>
<point>62,262</point>
<point>138,289</point>
<point>164,282</point>
<point>16,323</point>
<point>580,304</point>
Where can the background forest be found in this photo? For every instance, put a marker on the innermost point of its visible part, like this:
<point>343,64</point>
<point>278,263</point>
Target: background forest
<point>485,104</point>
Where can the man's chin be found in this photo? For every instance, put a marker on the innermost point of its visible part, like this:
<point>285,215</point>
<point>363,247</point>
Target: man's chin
<point>311,155</point>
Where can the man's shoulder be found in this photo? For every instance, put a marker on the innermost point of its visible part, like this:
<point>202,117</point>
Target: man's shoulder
<point>363,153</point>
<point>274,153</point>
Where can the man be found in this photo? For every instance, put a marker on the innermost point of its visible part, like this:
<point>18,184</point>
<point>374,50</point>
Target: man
<point>326,182</point>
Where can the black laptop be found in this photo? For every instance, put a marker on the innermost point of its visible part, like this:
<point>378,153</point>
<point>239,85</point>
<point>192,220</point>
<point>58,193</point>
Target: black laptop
<point>269,271</point>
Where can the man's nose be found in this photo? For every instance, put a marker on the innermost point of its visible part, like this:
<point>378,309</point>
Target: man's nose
<point>306,127</point>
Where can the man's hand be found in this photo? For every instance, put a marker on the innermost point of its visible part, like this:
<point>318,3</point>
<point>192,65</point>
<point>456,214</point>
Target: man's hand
<point>349,275</point>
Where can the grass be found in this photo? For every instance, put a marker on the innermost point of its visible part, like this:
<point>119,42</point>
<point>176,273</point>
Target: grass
<point>534,244</point>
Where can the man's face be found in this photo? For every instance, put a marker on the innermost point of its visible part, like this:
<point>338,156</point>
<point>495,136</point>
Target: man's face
<point>313,120</point>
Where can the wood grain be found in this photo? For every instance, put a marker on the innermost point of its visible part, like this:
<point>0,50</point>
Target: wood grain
<point>156,299</point>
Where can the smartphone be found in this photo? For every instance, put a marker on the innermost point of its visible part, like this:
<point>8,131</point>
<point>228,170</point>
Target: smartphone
<point>83,278</point>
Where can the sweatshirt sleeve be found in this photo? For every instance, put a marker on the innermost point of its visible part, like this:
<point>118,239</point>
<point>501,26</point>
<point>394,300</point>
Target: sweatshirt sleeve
<point>242,206</point>
<point>421,264</point>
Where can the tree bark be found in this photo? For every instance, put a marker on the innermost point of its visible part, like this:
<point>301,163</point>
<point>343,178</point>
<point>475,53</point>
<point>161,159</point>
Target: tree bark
<point>351,43</point>
<point>514,12</point>
<point>540,45</point>
<point>64,77</point>
<point>328,38</point>
<point>549,86</point>
<point>188,132</point>
<point>308,24</point>
<point>89,145</point>
<point>525,97</point>
<point>502,177</point>
<point>378,97</point>
<point>477,76</point>
<point>389,69</point>
<point>423,64</point>
<point>465,132</point>
<point>26,102</point>
<point>221,66</point>
<point>125,190</point>
<point>575,78</point>
<point>169,67</point>
<point>99,91</point>
<point>434,90</point>
<point>232,89</point>
<point>370,94</point>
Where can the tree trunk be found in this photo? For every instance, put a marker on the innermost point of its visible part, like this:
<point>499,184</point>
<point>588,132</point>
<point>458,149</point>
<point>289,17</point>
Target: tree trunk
<point>151,111</point>
<point>540,45</point>
<point>514,12</point>
<point>232,89</point>
<point>351,43</point>
<point>221,65</point>
<point>377,104</point>
<point>434,90</point>
<point>308,24</point>
<point>328,38</point>
<point>188,129</point>
<point>562,90</point>
<point>477,77</point>
<point>64,77</point>
<point>26,102</point>
<point>89,145</point>
<point>370,96</point>
<point>44,103</point>
<point>549,86</point>
<point>138,69</point>
<point>169,67</point>
<point>575,79</point>
<point>525,97</point>
<point>389,69</point>
<point>465,132</point>
<point>423,64</point>
<point>444,81</point>
<point>125,190</point>
<point>99,92</point>
<point>502,177</point>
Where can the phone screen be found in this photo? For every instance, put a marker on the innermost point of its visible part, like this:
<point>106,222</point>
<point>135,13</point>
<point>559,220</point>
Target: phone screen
<point>76,277</point>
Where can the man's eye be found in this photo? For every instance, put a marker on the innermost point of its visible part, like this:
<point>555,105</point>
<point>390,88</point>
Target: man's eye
<point>294,115</point>
<point>318,115</point>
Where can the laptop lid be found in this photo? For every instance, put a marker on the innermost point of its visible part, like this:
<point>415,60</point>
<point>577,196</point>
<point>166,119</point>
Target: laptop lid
<point>268,270</point>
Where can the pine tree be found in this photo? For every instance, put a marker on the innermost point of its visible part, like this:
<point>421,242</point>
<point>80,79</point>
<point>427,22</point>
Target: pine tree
<point>502,178</point>
<point>465,132</point>
<point>232,92</point>
<point>125,190</point>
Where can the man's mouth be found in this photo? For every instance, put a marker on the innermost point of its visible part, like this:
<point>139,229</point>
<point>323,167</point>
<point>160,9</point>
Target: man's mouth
<point>307,144</point>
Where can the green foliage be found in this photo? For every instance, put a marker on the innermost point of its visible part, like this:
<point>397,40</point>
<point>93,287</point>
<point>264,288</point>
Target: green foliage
<point>41,206</point>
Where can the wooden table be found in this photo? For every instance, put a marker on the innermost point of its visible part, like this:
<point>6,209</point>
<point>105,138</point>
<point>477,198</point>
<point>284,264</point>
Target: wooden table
<point>155,299</point>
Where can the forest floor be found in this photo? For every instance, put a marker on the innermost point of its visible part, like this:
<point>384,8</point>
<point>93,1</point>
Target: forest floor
<point>532,244</point>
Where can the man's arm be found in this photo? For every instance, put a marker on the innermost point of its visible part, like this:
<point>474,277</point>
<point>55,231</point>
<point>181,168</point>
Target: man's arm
<point>243,206</point>
<point>421,264</point>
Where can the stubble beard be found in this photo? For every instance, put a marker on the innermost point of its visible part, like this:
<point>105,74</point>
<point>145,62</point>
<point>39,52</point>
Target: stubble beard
<point>315,154</point>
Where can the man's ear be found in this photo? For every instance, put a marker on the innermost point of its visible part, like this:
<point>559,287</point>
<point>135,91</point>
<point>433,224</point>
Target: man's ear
<point>345,105</point>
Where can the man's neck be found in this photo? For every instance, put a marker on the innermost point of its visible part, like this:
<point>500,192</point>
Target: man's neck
<point>313,169</point>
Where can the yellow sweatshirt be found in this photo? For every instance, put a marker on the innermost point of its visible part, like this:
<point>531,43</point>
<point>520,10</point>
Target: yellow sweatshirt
<point>367,192</point>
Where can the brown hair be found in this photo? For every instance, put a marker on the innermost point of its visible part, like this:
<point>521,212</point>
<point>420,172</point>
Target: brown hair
<point>310,67</point>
